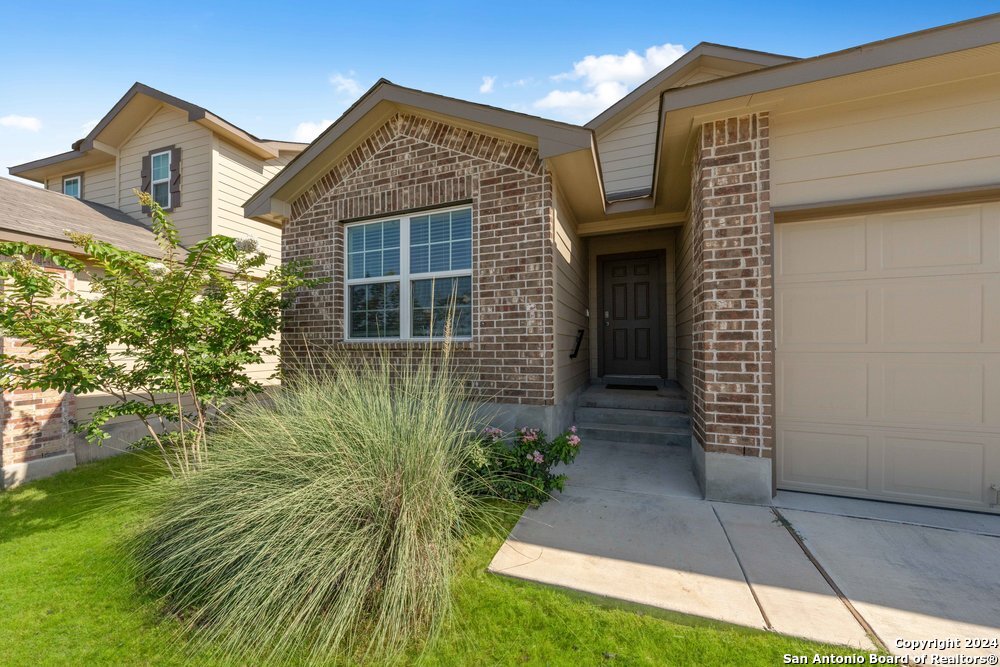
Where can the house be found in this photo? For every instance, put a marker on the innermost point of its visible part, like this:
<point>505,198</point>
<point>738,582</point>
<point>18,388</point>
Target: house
<point>809,247</point>
<point>198,166</point>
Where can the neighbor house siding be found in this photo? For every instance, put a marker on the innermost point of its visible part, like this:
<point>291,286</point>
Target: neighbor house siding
<point>410,163</point>
<point>627,150</point>
<point>570,257</point>
<point>170,127</point>
<point>943,137</point>
<point>238,176</point>
<point>99,185</point>
<point>34,424</point>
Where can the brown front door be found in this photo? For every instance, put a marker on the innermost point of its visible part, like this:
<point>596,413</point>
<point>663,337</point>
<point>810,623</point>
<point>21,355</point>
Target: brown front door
<point>632,314</point>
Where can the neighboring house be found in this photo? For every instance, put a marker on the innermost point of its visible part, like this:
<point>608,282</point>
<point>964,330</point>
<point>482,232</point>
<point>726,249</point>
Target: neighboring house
<point>811,248</point>
<point>198,166</point>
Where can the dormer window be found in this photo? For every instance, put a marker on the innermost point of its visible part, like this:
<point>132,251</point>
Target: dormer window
<point>73,186</point>
<point>161,178</point>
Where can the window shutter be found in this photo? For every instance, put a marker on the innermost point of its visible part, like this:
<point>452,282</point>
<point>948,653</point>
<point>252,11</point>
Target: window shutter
<point>146,177</point>
<point>175,178</point>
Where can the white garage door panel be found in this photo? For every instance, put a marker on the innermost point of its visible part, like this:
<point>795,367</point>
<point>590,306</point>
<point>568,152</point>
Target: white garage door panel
<point>824,317</point>
<point>929,392</point>
<point>823,458</point>
<point>916,240</point>
<point>933,468</point>
<point>928,467</point>
<point>823,249</point>
<point>931,310</point>
<point>888,355</point>
<point>841,396</point>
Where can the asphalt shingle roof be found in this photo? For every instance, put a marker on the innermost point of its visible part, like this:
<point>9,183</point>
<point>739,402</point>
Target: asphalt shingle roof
<point>25,209</point>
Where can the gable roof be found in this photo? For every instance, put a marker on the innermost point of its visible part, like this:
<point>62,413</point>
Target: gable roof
<point>39,216</point>
<point>663,79</point>
<point>940,40</point>
<point>553,138</point>
<point>118,122</point>
<point>915,60</point>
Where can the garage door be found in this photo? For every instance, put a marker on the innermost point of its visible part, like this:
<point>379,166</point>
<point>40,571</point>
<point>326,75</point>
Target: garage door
<point>888,356</point>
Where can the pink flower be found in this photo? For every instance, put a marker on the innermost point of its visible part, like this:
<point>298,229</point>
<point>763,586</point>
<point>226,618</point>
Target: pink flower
<point>529,434</point>
<point>492,433</point>
<point>574,440</point>
<point>537,457</point>
<point>572,429</point>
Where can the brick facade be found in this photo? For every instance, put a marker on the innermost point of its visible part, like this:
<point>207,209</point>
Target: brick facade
<point>413,163</point>
<point>35,424</point>
<point>733,310</point>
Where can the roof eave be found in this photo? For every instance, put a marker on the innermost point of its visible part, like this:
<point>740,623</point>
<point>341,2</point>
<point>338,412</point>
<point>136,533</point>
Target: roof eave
<point>703,49</point>
<point>553,138</point>
<point>893,51</point>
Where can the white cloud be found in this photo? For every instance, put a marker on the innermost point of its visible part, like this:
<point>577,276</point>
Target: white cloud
<point>90,125</point>
<point>347,88</point>
<point>307,131</point>
<point>487,86</point>
<point>346,85</point>
<point>29,123</point>
<point>605,79</point>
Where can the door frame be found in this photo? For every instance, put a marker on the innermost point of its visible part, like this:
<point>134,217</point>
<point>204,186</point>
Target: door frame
<point>660,302</point>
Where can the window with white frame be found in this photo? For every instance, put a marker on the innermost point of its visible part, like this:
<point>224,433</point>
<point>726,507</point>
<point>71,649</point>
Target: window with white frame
<point>160,178</point>
<point>71,186</point>
<point>408,276</point>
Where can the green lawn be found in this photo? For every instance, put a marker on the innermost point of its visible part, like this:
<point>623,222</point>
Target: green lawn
<point>66,598</point>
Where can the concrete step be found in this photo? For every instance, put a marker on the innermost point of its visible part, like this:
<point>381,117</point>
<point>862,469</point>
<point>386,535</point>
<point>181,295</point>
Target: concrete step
<point>633,417</point>
<point>623,399</point>
<point>650,435</point>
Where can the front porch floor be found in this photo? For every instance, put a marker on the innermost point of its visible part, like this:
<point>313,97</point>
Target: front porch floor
<point>632,525</point>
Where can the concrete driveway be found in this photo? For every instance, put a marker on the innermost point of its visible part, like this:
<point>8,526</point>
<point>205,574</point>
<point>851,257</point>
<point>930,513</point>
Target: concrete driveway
<point>631,525</point>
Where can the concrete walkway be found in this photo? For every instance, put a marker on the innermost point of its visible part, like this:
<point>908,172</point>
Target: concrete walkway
<point>631,525</point>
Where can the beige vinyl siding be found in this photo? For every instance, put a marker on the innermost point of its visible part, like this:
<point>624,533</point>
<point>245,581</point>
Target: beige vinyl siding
<point>238,177</point>
<point>124,430</point>
<point>929,139</point>
<point>99,185</point>
<point>685,305</point>
<point>170,127</point>
<point>627,151</point>
<point>571,303</point>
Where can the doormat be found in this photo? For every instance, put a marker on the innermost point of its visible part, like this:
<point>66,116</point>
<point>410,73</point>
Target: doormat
<point>633,387</point>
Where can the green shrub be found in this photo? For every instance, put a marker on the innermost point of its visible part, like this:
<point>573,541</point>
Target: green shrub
<point>520,468</point>
<point>165,342</point>
<point>325,522</point>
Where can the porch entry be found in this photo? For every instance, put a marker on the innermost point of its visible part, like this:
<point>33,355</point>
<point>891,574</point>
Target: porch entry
<point>631,311</point>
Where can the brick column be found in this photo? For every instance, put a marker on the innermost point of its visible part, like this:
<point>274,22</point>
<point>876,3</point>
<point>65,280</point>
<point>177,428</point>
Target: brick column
<point>733,374</point>
<point>36,439</point>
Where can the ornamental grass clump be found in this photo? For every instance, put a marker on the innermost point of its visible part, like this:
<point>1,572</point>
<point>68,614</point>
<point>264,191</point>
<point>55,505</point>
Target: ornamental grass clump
<point>326,523</point>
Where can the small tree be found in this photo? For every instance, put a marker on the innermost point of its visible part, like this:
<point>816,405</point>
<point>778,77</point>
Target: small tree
<point>166,340</point>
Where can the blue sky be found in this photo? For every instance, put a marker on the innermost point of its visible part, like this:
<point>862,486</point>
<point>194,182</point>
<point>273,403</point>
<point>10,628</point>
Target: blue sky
<point>282,70</point>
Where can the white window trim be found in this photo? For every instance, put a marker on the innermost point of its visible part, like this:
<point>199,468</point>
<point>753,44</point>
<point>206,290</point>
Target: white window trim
<point>153,182</point>
<point>79,185</point>
<point>405,278</point>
